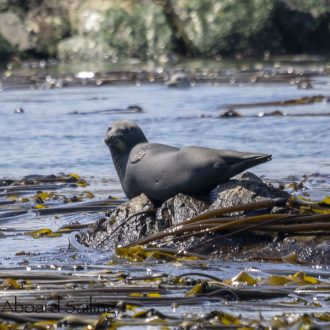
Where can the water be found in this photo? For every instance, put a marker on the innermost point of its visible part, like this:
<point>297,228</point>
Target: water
<point>48,139</point>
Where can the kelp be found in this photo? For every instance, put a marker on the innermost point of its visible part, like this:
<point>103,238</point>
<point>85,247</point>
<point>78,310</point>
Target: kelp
<point>77,208</point>
<point>45,232</point>
<point>38,196</point>
<point>131,294</point>
<point>214,221</point>
<point>286,103</point>
<point>104,297</point>
<point>10,283</point>
<point>129,110</point>
<point>138,254</point>
<point>230,111</point>
<point>235,114</point>
<point>307,206</point>
<point>123,223</point>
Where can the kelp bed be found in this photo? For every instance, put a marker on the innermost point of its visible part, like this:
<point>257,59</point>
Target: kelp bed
<point>142,286</point>
<point>103,297</point>
<point>38,212</point>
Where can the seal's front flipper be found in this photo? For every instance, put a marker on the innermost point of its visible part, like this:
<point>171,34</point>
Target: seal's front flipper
<point>138,153</point>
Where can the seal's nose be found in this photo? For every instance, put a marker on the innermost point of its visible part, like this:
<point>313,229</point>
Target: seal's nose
<point>109,139</point>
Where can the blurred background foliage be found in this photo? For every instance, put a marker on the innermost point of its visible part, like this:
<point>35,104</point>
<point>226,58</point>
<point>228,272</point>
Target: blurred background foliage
<point>108,30</point>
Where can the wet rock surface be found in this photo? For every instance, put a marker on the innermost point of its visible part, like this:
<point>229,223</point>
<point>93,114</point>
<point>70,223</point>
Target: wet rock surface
<point>246,188</point>
<point>127,223</point>
<point>19,39</point>
<point>47,26</point>
<point>177,209</point>
<point>139,218</point>
<point>307,249</point>
<point>121,227</point>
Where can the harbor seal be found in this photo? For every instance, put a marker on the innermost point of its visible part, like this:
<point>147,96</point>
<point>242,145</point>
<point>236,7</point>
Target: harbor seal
<point>161,171</point>
<point>179,80</point>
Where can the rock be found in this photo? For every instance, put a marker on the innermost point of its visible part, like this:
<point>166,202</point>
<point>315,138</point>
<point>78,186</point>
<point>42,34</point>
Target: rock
<point>230,114</point>
<point>13,30</point>
<point>172,212</point>
<point>119,229</point>
<point>86,16</point>
<point>47,25</point>
<point>116,30</point>
<point>19,110</point>
<point>177,209</point>
<point>135,108</point>
<point>303,26</point>
<point>108,232</point>
<point>245,188</point>
<point>3,5</point>
<point>225,248</point>
<point>137,227</point>
<point>313,250</point>
<point>256,26</point>
<point>135,205</point>
<point>229,27</point>
<point>6,50</point>
<point>316,8</point>
<point>84,49</point>
<point>140,30</point>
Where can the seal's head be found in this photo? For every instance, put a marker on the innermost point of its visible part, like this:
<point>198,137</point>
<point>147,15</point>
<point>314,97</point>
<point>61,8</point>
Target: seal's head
<point>179,80</point>
<point>123,135</point>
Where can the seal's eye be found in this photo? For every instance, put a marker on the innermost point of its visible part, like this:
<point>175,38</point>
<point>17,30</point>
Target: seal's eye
<point>125,130</point>
<point>109,128</point>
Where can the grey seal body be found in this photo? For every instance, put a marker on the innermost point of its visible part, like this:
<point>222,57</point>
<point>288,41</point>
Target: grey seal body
<point>161,171</point>
<point>179,80</point>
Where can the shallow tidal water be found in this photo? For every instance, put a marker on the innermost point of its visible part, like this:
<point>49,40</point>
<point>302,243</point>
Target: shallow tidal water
<point>48,139</point>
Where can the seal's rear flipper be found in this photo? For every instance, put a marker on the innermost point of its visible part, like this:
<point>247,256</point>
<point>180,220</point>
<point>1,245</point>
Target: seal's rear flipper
<point>243,164</point>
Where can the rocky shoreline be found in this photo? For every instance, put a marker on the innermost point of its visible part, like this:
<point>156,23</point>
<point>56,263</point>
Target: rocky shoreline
<point>139,218</point>
<point>149,30</point>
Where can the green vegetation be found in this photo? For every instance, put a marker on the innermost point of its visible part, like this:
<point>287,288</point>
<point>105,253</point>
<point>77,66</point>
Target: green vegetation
<point>140,32</point>
<point>6,49</point>
<point>156,30</point>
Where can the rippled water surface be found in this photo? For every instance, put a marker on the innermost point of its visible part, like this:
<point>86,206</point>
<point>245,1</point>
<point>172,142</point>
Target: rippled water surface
<point>47,139</point>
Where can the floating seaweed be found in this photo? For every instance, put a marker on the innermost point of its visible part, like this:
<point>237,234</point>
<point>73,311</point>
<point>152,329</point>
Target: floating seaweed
<point>135,286</point>
<point>94,296</point>
<point>286,103</point>
<point>235,114</point>
<point>130,109</point>
<point>214,221</point>
<point>37,196</point>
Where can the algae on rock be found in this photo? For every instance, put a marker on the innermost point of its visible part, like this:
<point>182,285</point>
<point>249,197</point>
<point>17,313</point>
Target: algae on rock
<point>6,49</point>
<point>229,26</point>
<point>140,31</point>
<point>101,30</point>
